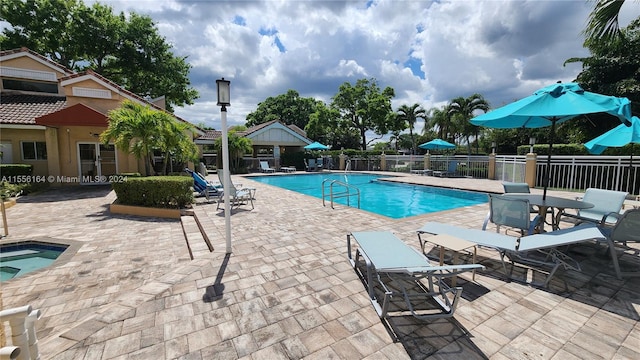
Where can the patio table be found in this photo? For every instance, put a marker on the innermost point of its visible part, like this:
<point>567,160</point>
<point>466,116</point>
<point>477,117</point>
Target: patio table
<point>551,202</point>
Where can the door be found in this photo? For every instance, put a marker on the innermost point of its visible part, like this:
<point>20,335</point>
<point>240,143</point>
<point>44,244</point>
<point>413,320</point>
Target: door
<point>6,153</point>
<point>97,163</point>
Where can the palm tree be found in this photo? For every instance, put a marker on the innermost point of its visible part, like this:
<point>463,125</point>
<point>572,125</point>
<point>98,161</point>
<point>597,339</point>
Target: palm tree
<point>441,120</point>
<point>175,140</point>
<point>462,110</point>
<point>411,114</point>
<point>603,21</point>
<point>238,146</point>
<point>134,129</point>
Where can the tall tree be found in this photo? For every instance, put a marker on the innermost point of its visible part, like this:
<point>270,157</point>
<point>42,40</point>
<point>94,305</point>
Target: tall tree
<point>603,21</point>
<point>612,68</point>
<point>364,107</point>
<point>126,49</point>
<point>410,115</point>
<point>289,108</point>
<point>440,120</point>
<point>462,110</point>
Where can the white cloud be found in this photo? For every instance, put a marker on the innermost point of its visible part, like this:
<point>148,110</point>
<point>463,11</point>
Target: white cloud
<point>503,50</point>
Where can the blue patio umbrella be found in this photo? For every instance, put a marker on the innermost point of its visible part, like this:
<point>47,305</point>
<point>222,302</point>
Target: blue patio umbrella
<point>553,105</point>
<point>316,146</point>
<point>437,144</point>
<point>619,136</point>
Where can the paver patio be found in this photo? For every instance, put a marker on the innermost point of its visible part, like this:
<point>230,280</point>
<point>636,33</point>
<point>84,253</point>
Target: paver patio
<point>130,290</point>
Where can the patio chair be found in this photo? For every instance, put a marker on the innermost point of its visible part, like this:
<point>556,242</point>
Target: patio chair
<point>538,251</point>
<point>606,209</point>
<point>399,278</point>
<point>237,195</point>
<point>451,170</point>
<point>627,229</point>
<point>512,213</point>
<point>519,188</point>
<point>264,167</point>
<point>202,186</point>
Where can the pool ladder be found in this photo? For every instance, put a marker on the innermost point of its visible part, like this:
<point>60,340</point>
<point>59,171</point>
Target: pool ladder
<point>348,192</point>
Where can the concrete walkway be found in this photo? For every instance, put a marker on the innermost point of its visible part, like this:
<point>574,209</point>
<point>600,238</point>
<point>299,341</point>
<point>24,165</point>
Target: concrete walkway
<point>129,290</point>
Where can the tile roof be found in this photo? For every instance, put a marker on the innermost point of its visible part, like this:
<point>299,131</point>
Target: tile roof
<point>24,109</point>
<point>33,53</point>
<point>124,91</point>
<point>210,135</point>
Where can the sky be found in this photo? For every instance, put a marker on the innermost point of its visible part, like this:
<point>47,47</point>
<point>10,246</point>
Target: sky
<point>429,51</point>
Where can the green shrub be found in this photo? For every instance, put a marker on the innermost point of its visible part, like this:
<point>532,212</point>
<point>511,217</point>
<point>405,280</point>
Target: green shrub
<point>155,191</point>
<point>558,149</point>
<point>10,170</point>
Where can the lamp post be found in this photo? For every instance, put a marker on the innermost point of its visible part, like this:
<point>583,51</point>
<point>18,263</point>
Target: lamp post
<point>493,147</point>
<point>532,141</point>
<point>224,98</point>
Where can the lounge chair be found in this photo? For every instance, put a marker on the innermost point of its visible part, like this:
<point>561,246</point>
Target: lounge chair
<point>319,164</point>
<point>237,195</point>
<point>399,278</point>
<point>606,209</point>
<point>310,164</point>
<point>204,187</point>
<point>627,229</point>
<point>264,167</point>
<point>537,251</point>
<point>451,170</point>
<point>422,171</point>
<point>512,213</point>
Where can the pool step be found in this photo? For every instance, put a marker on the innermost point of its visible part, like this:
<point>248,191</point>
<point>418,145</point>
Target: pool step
<point>197,241</point>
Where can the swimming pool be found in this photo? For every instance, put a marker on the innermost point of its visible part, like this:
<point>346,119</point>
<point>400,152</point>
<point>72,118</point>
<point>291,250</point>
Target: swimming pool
<point>22,258</point>
<point>381,197</point>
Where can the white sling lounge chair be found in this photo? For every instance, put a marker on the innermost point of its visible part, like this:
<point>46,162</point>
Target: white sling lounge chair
<point>399,278</point>
<point>606,209</point>
<point>523,250</point>
<point>264,167</point>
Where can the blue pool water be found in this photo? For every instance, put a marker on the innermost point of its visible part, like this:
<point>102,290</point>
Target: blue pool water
<point>19,259</point>
<point>381,197</point>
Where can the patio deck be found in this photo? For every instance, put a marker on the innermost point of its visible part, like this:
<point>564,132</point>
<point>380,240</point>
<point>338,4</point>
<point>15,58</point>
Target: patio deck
<point>130,290</point>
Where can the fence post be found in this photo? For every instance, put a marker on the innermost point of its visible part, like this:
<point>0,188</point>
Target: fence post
<point>530,169</point>
<point>383,162</point>
<point>492,166</point>
<point>427,161</point>
<point>341,156</point>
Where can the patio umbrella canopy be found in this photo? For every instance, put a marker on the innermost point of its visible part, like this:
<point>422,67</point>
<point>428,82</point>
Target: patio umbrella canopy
<point>552,105</point>
<point>316,146</point>
<point>619,136</point>
<point>437,144</point>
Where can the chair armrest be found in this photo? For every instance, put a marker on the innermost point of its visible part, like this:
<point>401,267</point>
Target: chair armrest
<point>606,216</point>
<point>486,221</point>
<point>533,224</point>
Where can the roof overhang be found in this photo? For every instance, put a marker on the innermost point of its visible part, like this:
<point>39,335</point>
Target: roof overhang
<point>76,115</point>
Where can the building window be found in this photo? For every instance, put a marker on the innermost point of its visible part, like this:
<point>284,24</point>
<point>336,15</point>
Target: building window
<point>24,85</point>
<point>34,150</point>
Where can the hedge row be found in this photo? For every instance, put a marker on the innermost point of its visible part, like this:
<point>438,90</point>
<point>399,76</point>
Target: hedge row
<point>155,191</point>
<point>11,170</point>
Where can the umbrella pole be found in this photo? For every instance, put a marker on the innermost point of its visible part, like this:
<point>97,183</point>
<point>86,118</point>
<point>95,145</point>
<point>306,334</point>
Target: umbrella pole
<point>629,182</point>
<point>547,171</point>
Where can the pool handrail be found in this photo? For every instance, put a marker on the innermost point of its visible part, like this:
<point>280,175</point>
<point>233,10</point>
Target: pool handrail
<point>347,193</point>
